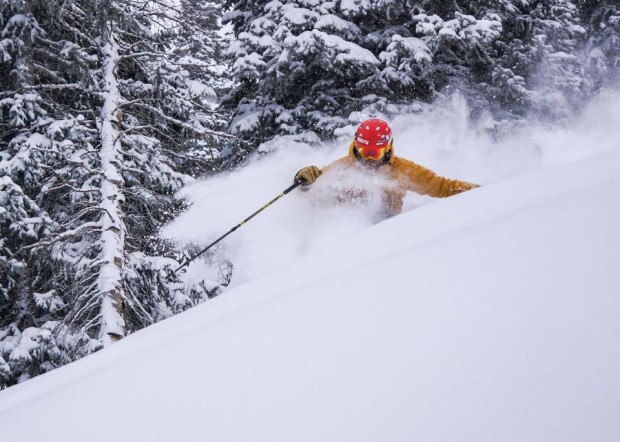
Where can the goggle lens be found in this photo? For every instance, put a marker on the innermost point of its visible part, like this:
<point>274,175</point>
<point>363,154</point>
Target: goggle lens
<point>371,153</point>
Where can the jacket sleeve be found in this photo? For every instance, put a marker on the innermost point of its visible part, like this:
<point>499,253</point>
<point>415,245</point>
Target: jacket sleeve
<point>344,161</point>
<point>339,162</point>
<point>426,182</point>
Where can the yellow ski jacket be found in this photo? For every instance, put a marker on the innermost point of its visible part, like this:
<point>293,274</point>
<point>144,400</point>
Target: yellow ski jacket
<point>408,176</point>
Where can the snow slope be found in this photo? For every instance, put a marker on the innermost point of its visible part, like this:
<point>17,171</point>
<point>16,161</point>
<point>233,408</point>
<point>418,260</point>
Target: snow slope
<point>489,316</point>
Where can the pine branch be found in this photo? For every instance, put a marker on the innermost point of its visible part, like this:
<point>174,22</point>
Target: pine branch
<point>137,307</point>
<point>51,87</point>
<point>166,6</point>
<point>144,54</point>
<point>49,73</point>
<point>66,235</point>
<point>128,54</point>
<point>78,32</point>
<point>90,306</point>
<point>71,188</point>
<point>172,120</point>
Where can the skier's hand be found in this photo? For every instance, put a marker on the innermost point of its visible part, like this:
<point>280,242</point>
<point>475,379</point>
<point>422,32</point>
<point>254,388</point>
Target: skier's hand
<point>307,175</point>
<point>462,186</point>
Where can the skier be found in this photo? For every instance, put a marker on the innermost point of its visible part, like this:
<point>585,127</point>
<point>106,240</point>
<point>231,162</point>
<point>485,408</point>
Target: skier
<point>372,150</point>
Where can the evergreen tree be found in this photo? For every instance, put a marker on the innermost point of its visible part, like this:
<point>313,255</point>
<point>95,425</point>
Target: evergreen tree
<point>301,65</point>
<point>26,155</point>
<point>305,65</point>
<point>602,51</point>
<point>102,123</point>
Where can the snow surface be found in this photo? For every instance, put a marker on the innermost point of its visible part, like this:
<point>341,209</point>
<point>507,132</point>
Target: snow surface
<point>488,316</point>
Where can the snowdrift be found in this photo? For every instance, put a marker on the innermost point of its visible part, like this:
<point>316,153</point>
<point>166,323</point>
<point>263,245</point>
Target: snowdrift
<point>489,316</point>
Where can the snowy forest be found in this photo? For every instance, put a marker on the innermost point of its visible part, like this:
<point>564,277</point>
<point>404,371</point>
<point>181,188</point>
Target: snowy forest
<point>109,108</point>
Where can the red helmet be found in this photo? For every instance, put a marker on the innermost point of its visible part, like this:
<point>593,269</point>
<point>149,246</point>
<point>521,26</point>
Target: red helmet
<point>373,141</point>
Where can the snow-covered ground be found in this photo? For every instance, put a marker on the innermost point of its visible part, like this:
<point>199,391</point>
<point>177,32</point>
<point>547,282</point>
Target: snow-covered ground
<point>489,316</point>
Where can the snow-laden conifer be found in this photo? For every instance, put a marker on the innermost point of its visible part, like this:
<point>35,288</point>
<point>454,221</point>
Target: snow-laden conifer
<point>104,118</point>
<point>301,65</point>
<point>317,66</point>
<point>602,50</point>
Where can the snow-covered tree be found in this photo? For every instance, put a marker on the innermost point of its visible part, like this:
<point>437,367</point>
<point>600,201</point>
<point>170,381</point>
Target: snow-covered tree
<point>305,65</point>
<point>104,117</point>
<point>602,51</point>
<point>26,347</point>
<point>300,65</point>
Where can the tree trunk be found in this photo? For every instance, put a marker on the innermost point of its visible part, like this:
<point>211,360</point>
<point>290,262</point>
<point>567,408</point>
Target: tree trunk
<point>113,229</point>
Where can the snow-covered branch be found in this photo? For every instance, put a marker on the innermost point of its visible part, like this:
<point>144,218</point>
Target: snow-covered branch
<point>184,125</point>
<point>66,235</point>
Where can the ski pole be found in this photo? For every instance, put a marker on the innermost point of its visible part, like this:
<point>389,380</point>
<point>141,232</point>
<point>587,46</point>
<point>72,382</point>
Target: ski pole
<point>287,190</point>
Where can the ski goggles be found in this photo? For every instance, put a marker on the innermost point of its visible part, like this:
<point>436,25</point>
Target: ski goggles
<point>372,153</point>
